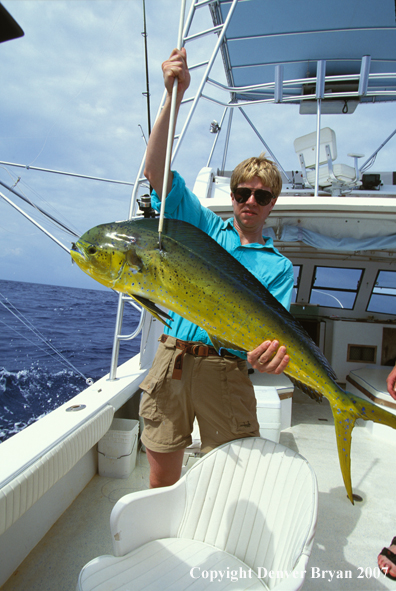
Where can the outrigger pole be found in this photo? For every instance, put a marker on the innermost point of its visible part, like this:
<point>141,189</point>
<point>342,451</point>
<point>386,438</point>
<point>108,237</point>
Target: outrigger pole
<point>34,222</point>
<point>45,213</point>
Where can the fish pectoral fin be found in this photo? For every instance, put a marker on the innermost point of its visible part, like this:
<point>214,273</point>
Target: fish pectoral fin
<point>153,309</point>
<point>133,260</point>
<point>219,344</point>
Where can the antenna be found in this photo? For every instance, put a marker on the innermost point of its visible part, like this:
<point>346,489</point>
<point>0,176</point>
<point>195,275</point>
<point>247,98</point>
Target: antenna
<point>147,93</point>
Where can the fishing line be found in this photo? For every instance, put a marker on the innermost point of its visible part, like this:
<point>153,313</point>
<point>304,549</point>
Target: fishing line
<point>42,211</point>
<point>8,305</point>
<point>368,164</point>
<point>35,223</point>
<point>26,186</point>
<point>20,334</point>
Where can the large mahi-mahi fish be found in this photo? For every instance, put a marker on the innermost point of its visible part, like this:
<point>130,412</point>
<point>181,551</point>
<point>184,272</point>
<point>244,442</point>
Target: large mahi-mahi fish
<point>195,277</point>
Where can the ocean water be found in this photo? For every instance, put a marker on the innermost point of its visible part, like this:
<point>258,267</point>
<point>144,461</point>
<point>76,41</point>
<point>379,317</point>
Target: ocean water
<point>51,340</point>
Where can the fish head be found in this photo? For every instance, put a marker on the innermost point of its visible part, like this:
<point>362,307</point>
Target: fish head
<point>106,251</point>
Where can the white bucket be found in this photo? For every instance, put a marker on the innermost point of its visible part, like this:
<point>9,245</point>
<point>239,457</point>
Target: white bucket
<point>268,412</point>
<point>118,448</point>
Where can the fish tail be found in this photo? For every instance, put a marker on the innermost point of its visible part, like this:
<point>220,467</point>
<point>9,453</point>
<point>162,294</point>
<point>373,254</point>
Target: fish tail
<point>346,409</point>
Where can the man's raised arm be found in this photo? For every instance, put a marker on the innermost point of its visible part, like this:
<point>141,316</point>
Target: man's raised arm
<point>174,67</point>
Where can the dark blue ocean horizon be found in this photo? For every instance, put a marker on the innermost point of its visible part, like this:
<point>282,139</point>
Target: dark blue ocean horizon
<point>42,327</point>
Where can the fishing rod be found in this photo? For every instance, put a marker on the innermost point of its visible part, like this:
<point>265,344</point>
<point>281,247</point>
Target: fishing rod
<point>147,93</point>
<point>144,204</point>
<point>172,118</point>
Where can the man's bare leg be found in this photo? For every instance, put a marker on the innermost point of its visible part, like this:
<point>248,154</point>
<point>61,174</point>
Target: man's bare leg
<point>165,468</point>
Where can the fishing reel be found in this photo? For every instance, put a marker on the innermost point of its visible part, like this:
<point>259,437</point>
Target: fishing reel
<point>145,206</point>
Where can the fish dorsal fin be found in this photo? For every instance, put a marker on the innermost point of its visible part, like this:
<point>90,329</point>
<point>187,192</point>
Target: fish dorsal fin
<point>220,344</point>
<point>153,309</point>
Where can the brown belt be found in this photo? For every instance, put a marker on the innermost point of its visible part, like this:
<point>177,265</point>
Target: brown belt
<point>198,350</point>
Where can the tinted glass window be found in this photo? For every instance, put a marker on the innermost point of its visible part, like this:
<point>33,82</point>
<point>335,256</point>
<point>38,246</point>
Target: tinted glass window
<point>335,287</point>
<point>383,297</point>
<point>297,275</point>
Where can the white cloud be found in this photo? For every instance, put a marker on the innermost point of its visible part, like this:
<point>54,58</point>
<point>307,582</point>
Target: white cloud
<point>72,100</point>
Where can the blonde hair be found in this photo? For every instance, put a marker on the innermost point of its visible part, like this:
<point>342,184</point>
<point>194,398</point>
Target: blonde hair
<point>259,166</point>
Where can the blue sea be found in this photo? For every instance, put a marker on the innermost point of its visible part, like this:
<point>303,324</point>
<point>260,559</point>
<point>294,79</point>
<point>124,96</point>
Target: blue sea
<point>51,340</point>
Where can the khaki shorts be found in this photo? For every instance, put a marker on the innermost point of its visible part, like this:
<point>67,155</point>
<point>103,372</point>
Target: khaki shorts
<point>216,390</point>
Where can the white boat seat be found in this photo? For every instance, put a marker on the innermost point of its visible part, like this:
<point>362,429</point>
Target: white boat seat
<point>248,506</point>
<point>337,178</point>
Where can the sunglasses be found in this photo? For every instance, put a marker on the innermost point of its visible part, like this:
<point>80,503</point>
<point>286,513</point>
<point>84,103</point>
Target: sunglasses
<point>262,197</point>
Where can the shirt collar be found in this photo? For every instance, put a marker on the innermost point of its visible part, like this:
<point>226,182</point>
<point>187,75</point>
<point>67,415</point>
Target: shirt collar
<point>269,244</point>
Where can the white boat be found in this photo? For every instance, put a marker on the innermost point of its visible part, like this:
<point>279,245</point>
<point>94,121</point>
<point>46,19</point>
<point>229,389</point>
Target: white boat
<point>336,222</point>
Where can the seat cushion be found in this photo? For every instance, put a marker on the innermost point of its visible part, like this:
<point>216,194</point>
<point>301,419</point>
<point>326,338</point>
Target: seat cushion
<point>343,173</point>
<point>170,563</point>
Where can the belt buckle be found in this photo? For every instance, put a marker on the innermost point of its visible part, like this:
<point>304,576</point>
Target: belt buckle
<point>199,350</point>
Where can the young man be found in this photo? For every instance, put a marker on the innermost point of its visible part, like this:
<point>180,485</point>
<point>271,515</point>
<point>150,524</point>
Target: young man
<point>186,380</point>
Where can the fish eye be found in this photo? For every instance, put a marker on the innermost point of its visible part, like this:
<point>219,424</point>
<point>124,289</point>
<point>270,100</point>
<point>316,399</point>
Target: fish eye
<point>91,250</point>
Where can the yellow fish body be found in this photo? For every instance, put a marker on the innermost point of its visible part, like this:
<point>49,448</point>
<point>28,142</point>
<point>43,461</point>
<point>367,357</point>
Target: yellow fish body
<point>196,278</point>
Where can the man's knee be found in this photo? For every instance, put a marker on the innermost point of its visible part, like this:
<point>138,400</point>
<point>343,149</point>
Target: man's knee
<point>165,468</point>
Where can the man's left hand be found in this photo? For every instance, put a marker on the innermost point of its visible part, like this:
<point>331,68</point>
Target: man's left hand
<point>269,357</point>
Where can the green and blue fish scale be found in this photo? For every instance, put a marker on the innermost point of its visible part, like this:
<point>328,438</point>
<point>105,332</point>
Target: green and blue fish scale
<point>196,278</point>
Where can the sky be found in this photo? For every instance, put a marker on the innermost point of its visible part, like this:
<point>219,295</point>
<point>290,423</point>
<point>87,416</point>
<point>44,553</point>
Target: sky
<point>72,100</point>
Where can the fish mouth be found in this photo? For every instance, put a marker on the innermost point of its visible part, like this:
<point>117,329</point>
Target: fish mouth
<point>74,252</point>
<point>82,251</point>
<point>81,255</point>
<point>77,254</point>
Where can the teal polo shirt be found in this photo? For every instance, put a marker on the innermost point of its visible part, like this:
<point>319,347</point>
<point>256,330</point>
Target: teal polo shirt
<point>265,262</point>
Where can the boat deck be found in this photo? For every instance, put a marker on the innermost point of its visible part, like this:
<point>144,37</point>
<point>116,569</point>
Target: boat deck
<point>347,540</point>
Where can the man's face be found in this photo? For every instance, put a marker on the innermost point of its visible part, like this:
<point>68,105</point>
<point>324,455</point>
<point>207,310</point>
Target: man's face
<point>250,215</point>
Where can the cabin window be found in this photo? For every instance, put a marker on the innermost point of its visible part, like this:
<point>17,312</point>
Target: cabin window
<point>297,275</point>
<point>335,287</point>
<point>383,296</point>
